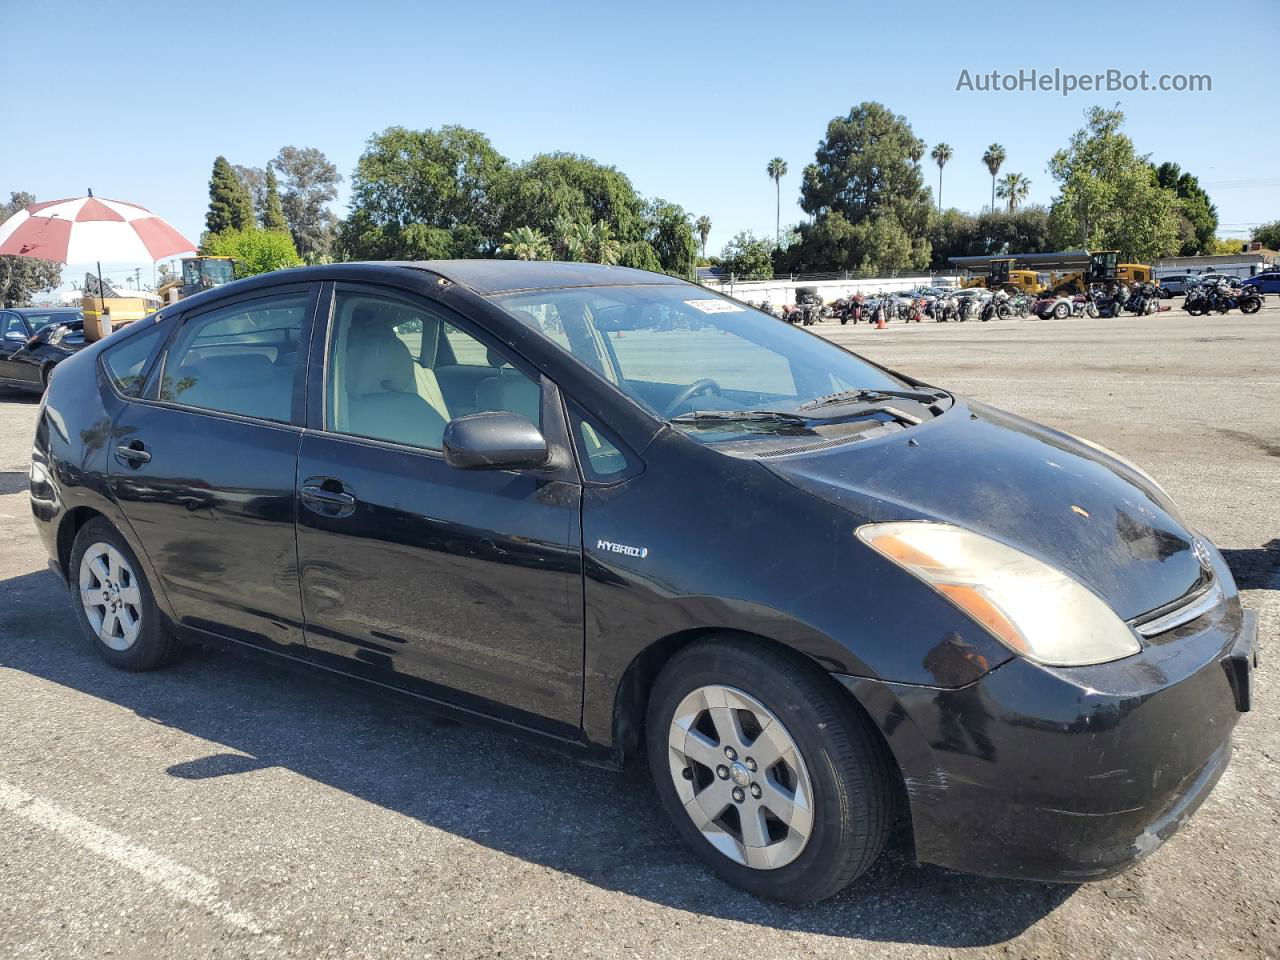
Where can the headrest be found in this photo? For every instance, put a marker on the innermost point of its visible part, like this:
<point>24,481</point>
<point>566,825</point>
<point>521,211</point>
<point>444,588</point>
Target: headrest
<point>231,371</point>
<point>377,361</point>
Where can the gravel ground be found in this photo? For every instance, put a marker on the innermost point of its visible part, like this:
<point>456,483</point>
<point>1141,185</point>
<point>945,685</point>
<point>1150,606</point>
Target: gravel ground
<point>223,808</point>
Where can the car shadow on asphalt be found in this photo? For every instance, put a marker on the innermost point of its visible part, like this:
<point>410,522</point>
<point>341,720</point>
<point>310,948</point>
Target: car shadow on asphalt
<point>1257,569</point>
<point>509,795</point>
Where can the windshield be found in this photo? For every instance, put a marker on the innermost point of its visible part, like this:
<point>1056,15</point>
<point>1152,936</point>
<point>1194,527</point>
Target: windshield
<point>677,349</point>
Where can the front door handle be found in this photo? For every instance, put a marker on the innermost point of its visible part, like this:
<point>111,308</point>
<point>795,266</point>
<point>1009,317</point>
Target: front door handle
<point>133,453</point>
<point>328,497</point>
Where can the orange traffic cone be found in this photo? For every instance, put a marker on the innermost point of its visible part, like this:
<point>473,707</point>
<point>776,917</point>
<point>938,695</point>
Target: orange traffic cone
<point>880,324</point>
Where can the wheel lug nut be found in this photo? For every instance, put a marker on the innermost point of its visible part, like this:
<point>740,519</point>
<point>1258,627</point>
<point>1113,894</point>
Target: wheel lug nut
<point>751,765</point>
<point>755,790</point>
<point>738,795</point>
<point>730,753</point>
<point>722,772</point>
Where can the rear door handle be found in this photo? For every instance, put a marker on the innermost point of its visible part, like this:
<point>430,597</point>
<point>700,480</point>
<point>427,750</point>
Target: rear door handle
<point>133,453</point>
<point>328,497</point>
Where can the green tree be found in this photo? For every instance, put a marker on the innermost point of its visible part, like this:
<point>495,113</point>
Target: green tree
<point>703,227</point>
<point>424,194</point>
<point>273,217</point>
<point>309,183</point>
<point>1268,234</point>
<point>639,255</point>
<point>777,169</point>
<point>255,250</point>
<point>1198,217</point>
<point>993,159</point>
<point>941,155</point>
<point>865,168</point>
<point>255,181</point>
<point>669,232</point>
<point>230,206</point>
<point>1110,198</point>
<point>526,243</point>
<point>21,278</point>
<point>747,257</point>
<point>552,188</point>
<point>1014,188</point>
<point>866,193</point>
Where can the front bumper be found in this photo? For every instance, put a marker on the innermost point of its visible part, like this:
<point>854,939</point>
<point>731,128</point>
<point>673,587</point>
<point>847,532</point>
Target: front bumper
<point>1071,774</point>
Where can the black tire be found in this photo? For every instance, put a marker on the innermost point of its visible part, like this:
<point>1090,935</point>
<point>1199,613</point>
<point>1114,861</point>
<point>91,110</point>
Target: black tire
<point>1250,305</point>
<point>852,775</point>
<point>1061,311</point>
<point>154,645</point>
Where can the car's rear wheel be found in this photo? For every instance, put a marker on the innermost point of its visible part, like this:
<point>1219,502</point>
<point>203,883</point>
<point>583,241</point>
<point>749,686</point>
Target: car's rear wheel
<point>113,600</point>
<point>768,770</point>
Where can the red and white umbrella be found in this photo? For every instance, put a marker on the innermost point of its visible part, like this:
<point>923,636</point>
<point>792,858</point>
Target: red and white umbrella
<point>83,229</point>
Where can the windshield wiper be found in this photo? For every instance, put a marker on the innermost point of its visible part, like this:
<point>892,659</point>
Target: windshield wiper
<point>871,396</point>
<point>739,416</point>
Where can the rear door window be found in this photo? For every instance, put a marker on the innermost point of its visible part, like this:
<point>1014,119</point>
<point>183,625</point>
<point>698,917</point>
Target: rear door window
<point>243,358</point>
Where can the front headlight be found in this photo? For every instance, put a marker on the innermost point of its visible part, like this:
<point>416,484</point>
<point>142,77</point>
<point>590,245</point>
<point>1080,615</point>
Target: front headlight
<point>1033,609</point>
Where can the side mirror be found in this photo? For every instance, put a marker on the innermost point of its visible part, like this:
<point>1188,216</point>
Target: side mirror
<point>494,440</point>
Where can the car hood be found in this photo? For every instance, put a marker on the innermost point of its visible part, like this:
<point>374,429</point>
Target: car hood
<point>1026,485</point>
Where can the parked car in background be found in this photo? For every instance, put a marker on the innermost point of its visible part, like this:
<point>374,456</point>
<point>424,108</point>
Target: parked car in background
<point>1177,284</point>
<point>33,340</point>
<point>1266,282</point>
<point>648,522</point>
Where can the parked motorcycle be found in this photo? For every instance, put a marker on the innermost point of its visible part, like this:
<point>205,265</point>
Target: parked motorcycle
<point>1220,295</point>
<point>997,308</point>
<point>1144,300</point>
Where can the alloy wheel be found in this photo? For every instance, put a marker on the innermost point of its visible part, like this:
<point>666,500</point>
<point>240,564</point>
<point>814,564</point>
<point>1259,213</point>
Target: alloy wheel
<point>111,596</point>
<point>741,777</point>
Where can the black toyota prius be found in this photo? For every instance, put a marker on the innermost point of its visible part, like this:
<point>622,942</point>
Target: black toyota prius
<point>621,512</point>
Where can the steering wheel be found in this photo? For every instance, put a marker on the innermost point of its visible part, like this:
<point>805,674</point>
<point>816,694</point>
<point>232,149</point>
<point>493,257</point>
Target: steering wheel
<point>705,385</point>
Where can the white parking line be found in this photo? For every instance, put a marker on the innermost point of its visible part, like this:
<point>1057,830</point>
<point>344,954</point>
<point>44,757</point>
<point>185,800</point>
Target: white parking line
<point>174,878</point>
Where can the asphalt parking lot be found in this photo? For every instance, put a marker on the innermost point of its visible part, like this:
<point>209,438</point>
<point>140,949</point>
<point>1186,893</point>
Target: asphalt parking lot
<point>223,808</point>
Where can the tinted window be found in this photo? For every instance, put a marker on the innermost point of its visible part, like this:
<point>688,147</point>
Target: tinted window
<point>38,320</point>
<point>399,371</point>
<point>126,363</point>
<point>602,458</point>
<point>241,359</point>
<point>11,327</point>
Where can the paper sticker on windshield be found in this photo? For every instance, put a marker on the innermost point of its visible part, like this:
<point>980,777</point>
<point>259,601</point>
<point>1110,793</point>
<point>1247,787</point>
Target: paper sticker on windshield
<point>716,306</point>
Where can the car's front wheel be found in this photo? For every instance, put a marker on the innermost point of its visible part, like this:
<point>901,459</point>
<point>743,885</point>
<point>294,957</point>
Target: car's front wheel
<point>113,600</point>
<point>768,770</point>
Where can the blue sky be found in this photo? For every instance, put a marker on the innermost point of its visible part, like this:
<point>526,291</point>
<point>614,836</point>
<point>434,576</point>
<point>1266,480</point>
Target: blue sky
<point>690,100</point>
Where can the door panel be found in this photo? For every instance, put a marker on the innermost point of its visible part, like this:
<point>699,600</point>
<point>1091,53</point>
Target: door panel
<point>454,583</point>
<point>214,509</point>
<point>205,468</point>
<point>470,580</point>
<point>13,341</point>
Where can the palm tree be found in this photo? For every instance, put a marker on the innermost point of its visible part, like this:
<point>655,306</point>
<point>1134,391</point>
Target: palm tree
<point>993,158</point>
<point>941,154</point>
<point>1013,187</point>
<point>777,169</point>
<point>703,227</point>
<point>526,243</point>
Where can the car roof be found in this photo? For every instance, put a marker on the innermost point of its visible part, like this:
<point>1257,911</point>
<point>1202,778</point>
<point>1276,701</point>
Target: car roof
<point>504,276</point>
<point>482,277</point>
<point>27,311</point>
